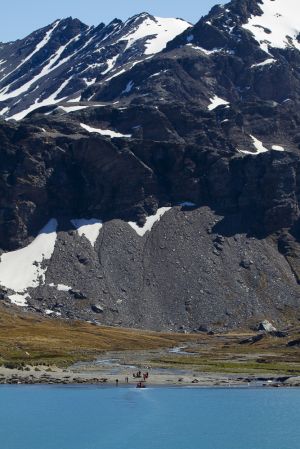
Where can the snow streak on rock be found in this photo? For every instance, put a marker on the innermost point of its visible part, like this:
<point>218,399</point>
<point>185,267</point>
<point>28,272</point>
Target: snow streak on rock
<point>103,132</point>
<point>258,145</point>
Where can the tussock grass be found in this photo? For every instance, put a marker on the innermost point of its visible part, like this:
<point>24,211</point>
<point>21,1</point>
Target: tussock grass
<point>225,354</point>
<point>229,366</point>
<point>28,339</point>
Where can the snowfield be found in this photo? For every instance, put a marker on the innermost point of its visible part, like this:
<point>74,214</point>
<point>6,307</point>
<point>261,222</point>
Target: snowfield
<point>278,26</point>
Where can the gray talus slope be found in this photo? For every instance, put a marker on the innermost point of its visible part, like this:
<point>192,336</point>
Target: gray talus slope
<point>183,274</point>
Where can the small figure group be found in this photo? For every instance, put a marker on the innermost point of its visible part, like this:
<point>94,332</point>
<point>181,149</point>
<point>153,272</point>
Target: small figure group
<point>139,374</point>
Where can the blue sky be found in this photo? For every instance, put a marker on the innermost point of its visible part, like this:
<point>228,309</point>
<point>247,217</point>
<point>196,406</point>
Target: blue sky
<point>20,17</point>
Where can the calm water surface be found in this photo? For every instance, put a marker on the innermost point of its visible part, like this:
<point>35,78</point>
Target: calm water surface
<point>38,417</point>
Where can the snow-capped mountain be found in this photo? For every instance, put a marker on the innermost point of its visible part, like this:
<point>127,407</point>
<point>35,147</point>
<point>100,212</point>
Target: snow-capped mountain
<point>159,186</point>
<point>277,25</point>
<point>222,60</point>
<point>273,24</point>
<point>62,59</point>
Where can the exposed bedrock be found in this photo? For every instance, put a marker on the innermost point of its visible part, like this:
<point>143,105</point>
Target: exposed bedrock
<point>230,260</point>
<point>44,176</point>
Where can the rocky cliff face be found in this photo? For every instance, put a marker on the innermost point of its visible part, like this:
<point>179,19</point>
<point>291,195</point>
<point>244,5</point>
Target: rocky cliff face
<point>171,189</point>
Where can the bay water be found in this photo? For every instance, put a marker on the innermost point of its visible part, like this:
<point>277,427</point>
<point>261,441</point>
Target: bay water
<point>66,417</point>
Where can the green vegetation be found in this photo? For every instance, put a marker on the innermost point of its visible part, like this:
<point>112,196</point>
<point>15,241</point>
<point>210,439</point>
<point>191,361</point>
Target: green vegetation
<point>28,339</point>
<point>217,366</point>
<point>225,354</point>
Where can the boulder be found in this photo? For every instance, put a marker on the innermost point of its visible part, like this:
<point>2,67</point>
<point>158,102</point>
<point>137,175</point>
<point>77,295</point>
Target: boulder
<point>278,334</point>
<point>294,343</point>
<point>252,340</point>
<point>266,326</point>
<point>77,294</point>
<point>97,308</point>
<point>246,263</point>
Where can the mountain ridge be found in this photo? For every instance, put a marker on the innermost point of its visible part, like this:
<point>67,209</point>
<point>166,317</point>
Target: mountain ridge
<point>66,49</point>
<point>171,190</point>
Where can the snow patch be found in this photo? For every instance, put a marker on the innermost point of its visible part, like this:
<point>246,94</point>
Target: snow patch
<point>155,74</point>
<point>75,100</point>
<point>266,62</point>
<point>258,146</point>
<point>51,312</point>
<point>89,82</point>
<point>277,148</point>
<point>278,26</point>
<point>90,228</point>
<point>160,31</point>
<point>110,64</point>
<point>19,299</point>
<point>61,287</point>
<point>4,110</point>
<point>215,102</point>
<point>150,221</point>
<point>115,75</point>
<point>104,132</point>
<point>158,73</point>
<point>72,108</point>
<point>24,268</point>
<point>207,52</point>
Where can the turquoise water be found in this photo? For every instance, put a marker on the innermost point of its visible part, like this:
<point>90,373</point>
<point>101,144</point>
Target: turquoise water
<point>39,417</point>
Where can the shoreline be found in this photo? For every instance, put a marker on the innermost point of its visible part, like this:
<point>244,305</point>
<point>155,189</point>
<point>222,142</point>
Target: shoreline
<point>158,378</point>
<point>153,387</point>
<point>184,365</point>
